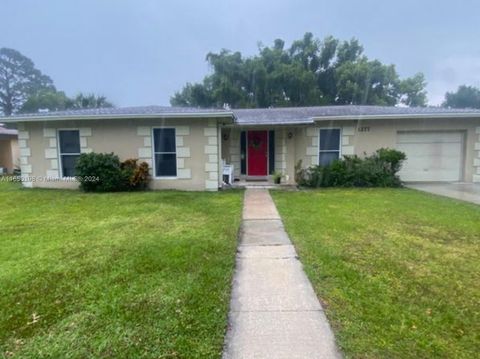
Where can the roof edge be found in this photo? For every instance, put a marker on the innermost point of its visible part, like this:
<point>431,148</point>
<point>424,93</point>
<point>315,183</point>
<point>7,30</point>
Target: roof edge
<point>30,118</point>
<point>397,116</point>
<point>260,124</point>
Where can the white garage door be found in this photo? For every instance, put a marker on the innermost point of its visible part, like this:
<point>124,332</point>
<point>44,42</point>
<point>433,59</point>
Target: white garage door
<point>431,156</point>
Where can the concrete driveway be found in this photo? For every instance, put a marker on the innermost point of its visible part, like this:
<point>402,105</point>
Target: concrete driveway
<point>469,192</point>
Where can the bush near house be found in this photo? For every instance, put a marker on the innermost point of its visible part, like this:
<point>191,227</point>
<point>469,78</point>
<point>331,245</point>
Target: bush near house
<point>378,170</point>
<point>103,172</point>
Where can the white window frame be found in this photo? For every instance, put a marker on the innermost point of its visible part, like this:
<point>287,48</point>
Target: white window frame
<point>339,143</point>
<point>154,153</point>
<point>59,149</point>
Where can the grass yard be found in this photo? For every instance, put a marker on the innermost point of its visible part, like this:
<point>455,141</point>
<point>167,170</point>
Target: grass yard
<point>123,275</point>
<point>397,270</point>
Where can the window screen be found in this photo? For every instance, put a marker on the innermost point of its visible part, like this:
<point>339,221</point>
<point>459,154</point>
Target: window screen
<point>329,146</point>
<point>69,151</point>
<point>165,152</point>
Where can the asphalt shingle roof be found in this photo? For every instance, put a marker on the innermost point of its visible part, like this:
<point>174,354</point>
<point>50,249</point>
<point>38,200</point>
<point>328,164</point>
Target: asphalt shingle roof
<point>121,111</point>
<point>256,116</point>
<point>303,115</point>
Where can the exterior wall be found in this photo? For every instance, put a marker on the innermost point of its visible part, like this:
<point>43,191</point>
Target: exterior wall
<point>9,154</point>
<point>476,155</point>
<point>293,144</point>
<point>197,147</point>
<point>201,145</point>
<point>231,148</point>
<point>383,133</point>
<point>307,141</point>
<point>290,155</point>
<point>284,149</point>
<point>366,136</point>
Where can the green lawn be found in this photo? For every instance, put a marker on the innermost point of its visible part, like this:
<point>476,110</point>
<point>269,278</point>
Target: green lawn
<point>397,270</point>
<point>123,275</point>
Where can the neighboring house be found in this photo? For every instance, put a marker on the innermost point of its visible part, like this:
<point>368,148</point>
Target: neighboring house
<point>9,154</point>
<point>186,147</point>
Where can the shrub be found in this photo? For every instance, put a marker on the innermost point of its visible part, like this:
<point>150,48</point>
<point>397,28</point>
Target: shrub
<point>99,172</point>
<point>136,175</point>
<point>300,173</point>
<point>103,172</point>
<point>377,170</point>
<point>391,157</point>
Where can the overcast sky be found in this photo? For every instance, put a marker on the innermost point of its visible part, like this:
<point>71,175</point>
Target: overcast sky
<point>139,52</point>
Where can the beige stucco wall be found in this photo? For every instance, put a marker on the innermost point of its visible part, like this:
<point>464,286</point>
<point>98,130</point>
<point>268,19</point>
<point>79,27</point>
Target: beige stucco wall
<point>384,134</point>
<point>284,149</point>
<point>307,141</point>
<point>231,148</point>
<point>366,136</point>
<point>203,143</point>
<point>292,143</point>
<point>197,146</point>
<point>357,138</point>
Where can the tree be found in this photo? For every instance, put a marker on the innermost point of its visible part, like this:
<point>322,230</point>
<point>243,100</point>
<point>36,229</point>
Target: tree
<point>57,101</point>
<point>47,100</point>
<point>366,82</point>
<point>413,91</point>
<point>82,101</point>
<point>19,79</point>
<point>464,97</point>
<point>194,95</point>
<point>23,88</point>
<point>309,72</point>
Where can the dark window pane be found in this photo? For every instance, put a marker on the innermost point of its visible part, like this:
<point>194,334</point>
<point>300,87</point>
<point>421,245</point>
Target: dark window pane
<point>271,152</point>
<point>330,140</point>
<point>69,141</point>
<point>165,165</point>
<point>243,153</point>
<point>68,165</point>
<point>164,139</point>
<point>326,158</point>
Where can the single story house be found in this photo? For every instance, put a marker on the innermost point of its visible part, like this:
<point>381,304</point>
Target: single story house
<point>9,152</point>
<point>186,148</point>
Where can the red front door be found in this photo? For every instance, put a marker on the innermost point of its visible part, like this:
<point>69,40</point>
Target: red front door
<point>257,144</point>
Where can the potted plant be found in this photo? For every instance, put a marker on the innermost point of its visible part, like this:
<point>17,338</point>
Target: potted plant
<point>277,177</point>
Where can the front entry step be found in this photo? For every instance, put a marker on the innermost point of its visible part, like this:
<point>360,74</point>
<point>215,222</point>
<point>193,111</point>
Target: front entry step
<point>256,178</point>
<point>263,185</point>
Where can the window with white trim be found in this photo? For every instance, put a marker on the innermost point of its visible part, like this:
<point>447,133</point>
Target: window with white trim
<point>329,147</point>
<point>164,152</point>
<point>69,147</point>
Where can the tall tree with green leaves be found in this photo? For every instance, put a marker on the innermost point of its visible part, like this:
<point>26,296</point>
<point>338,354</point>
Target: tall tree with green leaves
<point>364,82</point>
<point>309,72</point>
<point>19,79</point>
<point>413,92</point>
<point>91,100</point>
<point>50,100</point>
<point>464,97</point>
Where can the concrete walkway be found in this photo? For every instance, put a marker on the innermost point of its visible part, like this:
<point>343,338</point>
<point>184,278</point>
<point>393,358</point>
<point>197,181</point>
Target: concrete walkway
<point>469,192</point>
<point>274,312</point>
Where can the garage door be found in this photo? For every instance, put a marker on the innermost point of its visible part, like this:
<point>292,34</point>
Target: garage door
<point>431,156</point>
